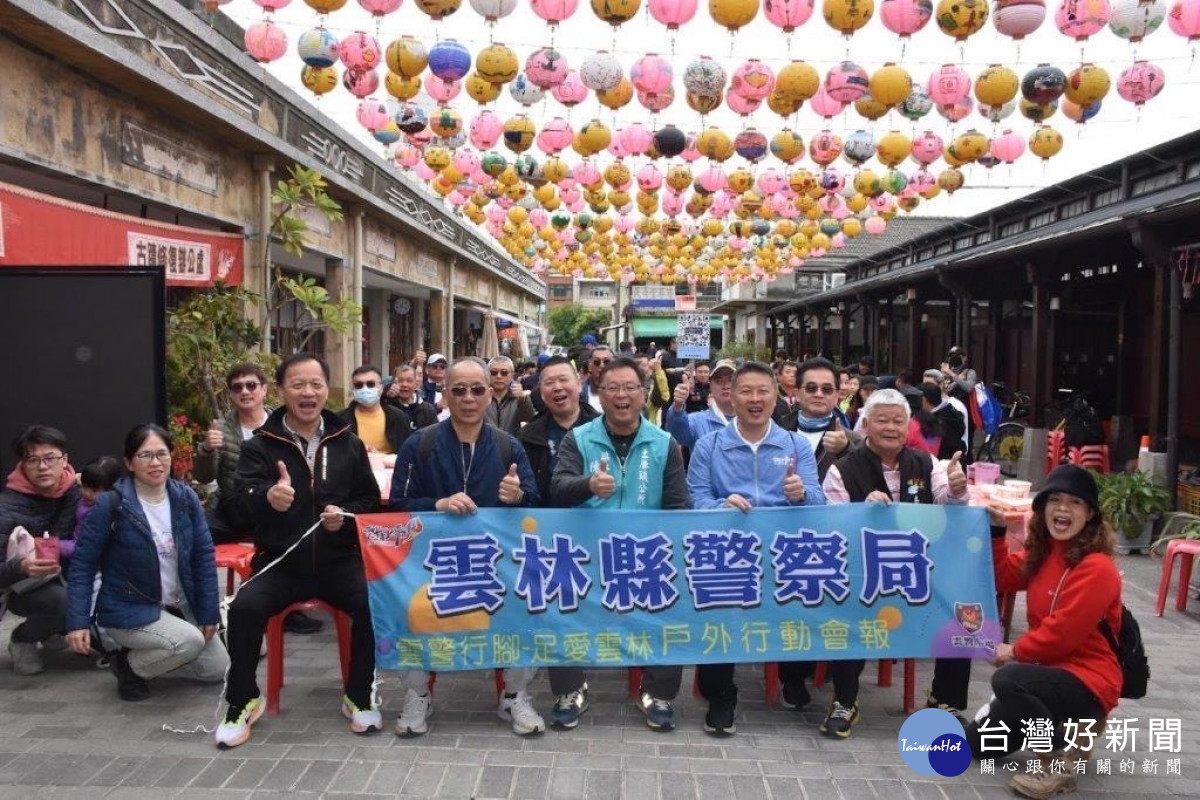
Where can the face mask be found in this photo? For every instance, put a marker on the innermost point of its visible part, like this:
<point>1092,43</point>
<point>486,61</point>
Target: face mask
<point>366,396</point>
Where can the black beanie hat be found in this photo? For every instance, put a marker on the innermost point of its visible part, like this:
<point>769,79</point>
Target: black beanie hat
<point>1072,480</point>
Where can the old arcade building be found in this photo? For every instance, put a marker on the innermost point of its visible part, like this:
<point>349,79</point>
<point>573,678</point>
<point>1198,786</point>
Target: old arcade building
<point>132,132</point>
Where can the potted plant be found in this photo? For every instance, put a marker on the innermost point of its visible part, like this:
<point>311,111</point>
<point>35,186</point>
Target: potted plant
<point>1131,502</point>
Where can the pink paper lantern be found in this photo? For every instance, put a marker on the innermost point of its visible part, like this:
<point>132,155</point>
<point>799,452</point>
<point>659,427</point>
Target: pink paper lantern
<point>568,195</point>
<point>712,179</point>
<point>1184,19</point>
<point>651,74</point>
<point>771,181</point>
<point>656,102</point>
<point>554,11</point>
<point>616,149</point>
<point>360,51</point>
<point>923,181</point>
<point>847,82</point>
<point>635,139</point>
<point>555,136</point>
<point>742,105</point>
<point>875,225</point>
<point>649,179</point>
<point>1079,19</point>
<point>265,41</point>
<point>1008,146</point>
<point>927,147</point>
<point>271,5</point>
<point>753,80</point>
<point>959,111</point>
<point>546,68</point>
<point>1141,81</point>
<point>485,130</point>
<point>571,91</point>
<point>538,218</point>
<point>690,153</point>
<point>1018,18</point>
<point>407,157</point>
<point>457,199</point>
<point>672,204</point>
<point>372,114</point>
<point>466,162</point>
<point>824,105</point>
<point>673,13</point>
<point>586,173</point>
<point>905,17</point>
<point>360,83</point>
<point>623,224</point>
<point>420,138</point>
<point>948,85</point>
<point>575,206</point>
<point>789,14</point>
<point>440,90</point>
<point>378,8</point>
<point>424,171</point>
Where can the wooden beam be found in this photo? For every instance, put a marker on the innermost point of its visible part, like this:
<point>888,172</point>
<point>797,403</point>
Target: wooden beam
<point>1156,254</point>
<point>1039,393</point>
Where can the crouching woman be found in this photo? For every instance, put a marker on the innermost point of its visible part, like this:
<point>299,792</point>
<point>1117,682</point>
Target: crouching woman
<point>1063,669</point>
<point>150,543</point>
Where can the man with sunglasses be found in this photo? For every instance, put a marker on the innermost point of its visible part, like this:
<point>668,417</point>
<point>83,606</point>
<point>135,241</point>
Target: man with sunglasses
<point>458,466</point>
<point>510,407</point>
<point>40,496</point>
<point>602,356</point>
<point>217,460</point>
<point>434,378</point>
<point>382,428</point>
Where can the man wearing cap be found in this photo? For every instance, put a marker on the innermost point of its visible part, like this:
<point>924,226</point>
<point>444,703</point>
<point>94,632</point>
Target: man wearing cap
<point>688,428</point>
<point>435,376</point>
<point>600,356</point>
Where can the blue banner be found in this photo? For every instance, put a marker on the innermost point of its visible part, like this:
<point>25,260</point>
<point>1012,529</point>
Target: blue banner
<point>523,587</point>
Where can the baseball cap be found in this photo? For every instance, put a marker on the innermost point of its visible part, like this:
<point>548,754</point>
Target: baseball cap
<point>724,364</point>
<point>935,374</point>
<point>435,358</point>
<point>587,338</point>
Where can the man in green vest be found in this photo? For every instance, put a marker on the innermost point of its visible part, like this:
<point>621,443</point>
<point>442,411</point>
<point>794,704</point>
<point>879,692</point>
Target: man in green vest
<point>620,460</point>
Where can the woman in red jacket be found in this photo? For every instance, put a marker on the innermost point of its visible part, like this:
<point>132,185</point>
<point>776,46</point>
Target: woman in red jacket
<point>1063,669</point>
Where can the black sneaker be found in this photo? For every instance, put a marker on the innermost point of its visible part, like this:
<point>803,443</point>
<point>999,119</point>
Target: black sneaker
<point>719,719</point>
<point>794,696</point>
<point>131,687</point>
<point>298,622</point>
<point>840,720</point>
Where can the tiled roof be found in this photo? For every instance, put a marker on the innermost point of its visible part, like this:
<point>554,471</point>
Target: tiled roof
<point>900,230</point>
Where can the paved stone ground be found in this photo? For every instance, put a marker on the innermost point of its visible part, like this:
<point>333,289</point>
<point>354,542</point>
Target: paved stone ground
<point>65,733</point>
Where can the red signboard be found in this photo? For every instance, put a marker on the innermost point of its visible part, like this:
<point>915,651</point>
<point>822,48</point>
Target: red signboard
<point>40,230</point>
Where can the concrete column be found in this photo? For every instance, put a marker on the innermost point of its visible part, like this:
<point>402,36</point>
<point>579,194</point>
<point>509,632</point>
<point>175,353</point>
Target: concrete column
<point>380,331</point>
<point>447,326</point>
<point>915,336</point>
<point>417,321</point>
<point>339,351</point>
<point>1039,392</point>
<point>844,334</point>
<point>357,243</point>
<point>257,277</point>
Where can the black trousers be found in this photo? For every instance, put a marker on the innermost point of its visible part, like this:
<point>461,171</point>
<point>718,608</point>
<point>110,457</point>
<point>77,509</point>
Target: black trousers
<point>564,680</point>
<point>44,610</point>
<point>339,583</point>
<point>1032,691</point>
<point>843,675</point>
<point>951,679</point>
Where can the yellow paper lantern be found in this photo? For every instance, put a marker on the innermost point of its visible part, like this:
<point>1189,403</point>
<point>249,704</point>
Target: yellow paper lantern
<point>1038,112</point>
<point>951,157</point>
<point>616,12</point>
<point>851,226</point>
<point>801,181</point>
<point>679,177</point>
<point>516,215</point>
<point>544,193</point>
<point>857,202</point>
<point>496,64</point>
<point>961,18</point>
<point>951,180</point>
<point>893,148</point>
<point>867,182</point>
<point>480,89</point>
<point>325,6</point>
<point>436,158</point>
<point>715,144</point>
<point>617,97</point>
<point>996,85</point>
<point>890,84</point>
<point>555,169</point>
<point>783,105</point>
<point>593,137</point>
<point>909,203</point>
<point>731,14</point>
<point>968,146</point>
<point>518,133</point>
<point>798,80</point>
<point>787,146</point>
<point>319,80</point>
<point>617,175</point>
<point>406,56</point>
<point>400,87</point>
<point>1087,84</point>
<point>848,16</point>
<point>438,9</point>
<point>740,180</point>
<point>870,108</point>
<point>1045,142</point>
<point>445,122</point>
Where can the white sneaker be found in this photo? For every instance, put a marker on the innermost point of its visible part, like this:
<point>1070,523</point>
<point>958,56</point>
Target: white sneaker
<point>519,710</point>
<point>362,721</point>
<point>414,717</point>
<point>235,729</point>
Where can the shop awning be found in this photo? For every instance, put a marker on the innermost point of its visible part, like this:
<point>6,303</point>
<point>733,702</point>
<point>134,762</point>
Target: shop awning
<point>666,326</point>
<point>39,230</point>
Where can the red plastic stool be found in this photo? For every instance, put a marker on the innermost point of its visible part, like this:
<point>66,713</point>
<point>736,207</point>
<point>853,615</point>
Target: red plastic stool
<point>275,647</point>
<point>1186,549</point>
<point>1091,456</point>
<point>771,679</point>
<point>1056,449</point>
<point>634,678</point>
<point>235,558</point>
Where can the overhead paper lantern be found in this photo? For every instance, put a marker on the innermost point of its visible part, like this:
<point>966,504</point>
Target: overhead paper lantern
<point>1184,19</point>
<point>319,80</point>
<point>448,60</point>
<point>1018,18</point>
<point>372,114</point>
<point>657,101</point>
<point>704,77</point>
<point>1045,142</point>
<point>1008,147</point>
<point>492,10</point>
<point>651,74</point>
<point>847,16</point>
<point>1134,20</point>
<point>601,71</point>
<point>1078,113</point>
<point>402,88</point>
<point>961,18</point>
<point>753,80</point>
<point>704,104</point>
<point>555,136</point>
<point>546,68</point>
<point>733,14</point>
<point>670,141</point>
<point>440,90</point>
<point>571,92</point>
<point>948,85</point>
<point>890,84</point>
<point>798,81</point>
<point>893,148</point>
<point>870,108</point>
<point>996,85</point>
<point>997,113</point>
<point>741,104</point>
<point>617,97</point>
<point>825,105</point>
<point>480,89</point>
<point>950,180</point>
<point>927,147</point>
<point>905,17</point>
<point>485,130</point>
<point>525,91</point>
<point>751,145</point>
<point>788,14</point>
<point>406,56</point>
<point>317,48</point>
<point>917,104</point>
<point>445,122</point>
<point>554,11</point>
<point>846,82</point>
<point>360,83</point>
<point>956,112</point>
<point>411,118</point>
<point>496,64</point>
<point>1080,19</point>
<point>715,144</point>
<point>825,147</point>
<point>787,146</point>
<point>859,148</point>
<point>1141,81</point>
<point>1038,112</point>
<point>1087,84</point>
<point>616,12</point>
<point>265,41</point>
<point>438,9</point>
<point>377,8</point>
<point>673,13</point>
<point>518,133</point>
<point>1043,84</point>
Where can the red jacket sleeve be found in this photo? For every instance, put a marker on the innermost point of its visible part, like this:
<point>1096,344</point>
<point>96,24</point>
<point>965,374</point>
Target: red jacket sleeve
<point>1010,577</point>
<point>1085,597</point>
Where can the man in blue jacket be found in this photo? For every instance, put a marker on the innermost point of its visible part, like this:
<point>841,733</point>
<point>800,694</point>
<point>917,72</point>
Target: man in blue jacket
<point>750,463</point>
<point>622,461</point>
<point>458,466</point>
<point>690,428</point>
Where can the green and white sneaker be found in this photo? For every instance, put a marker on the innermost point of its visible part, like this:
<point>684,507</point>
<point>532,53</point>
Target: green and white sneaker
<point>362,721</point>
<point>235,730</point>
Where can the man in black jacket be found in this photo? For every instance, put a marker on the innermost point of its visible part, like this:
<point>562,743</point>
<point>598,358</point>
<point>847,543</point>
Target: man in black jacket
<point>402,394</point>
<point>382,428</point>
<point>559,387</point>
<point>297,478</point>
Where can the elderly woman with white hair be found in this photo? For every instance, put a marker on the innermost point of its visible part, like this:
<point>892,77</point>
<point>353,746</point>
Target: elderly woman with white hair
<point>885,471</point>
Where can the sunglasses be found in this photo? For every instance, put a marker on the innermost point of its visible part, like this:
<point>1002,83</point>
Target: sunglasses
<point>500,373</point>
<point>813,388</point>
<point>237,387</point>
<point>365,384</point>
<point>461,391</point>
<point>600,362</point>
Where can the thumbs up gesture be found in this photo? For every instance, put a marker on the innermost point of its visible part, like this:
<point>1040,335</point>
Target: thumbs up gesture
<point>955,477</point>
<point>682,392</point>
<point>214,438</point>
<point>793,485</point>
<point>510,487</point>
<point>836,440</point>
<point>602,483</point>
<point>281,495</point>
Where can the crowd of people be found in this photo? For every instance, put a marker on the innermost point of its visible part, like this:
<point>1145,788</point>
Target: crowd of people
<point>132,572</point>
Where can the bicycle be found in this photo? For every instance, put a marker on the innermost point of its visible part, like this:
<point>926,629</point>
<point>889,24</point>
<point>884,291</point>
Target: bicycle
<point>1004,447</point>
